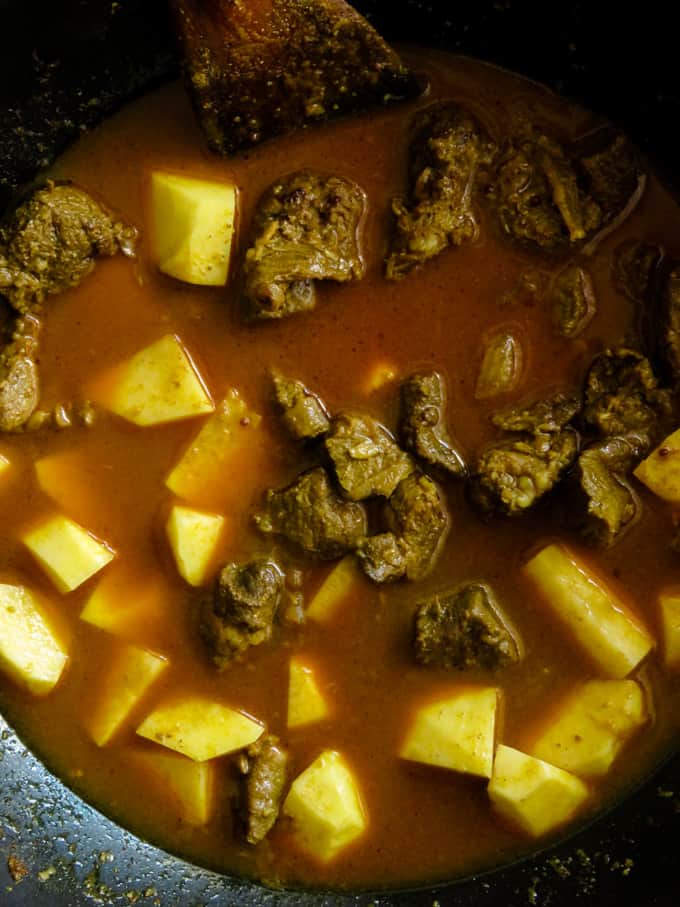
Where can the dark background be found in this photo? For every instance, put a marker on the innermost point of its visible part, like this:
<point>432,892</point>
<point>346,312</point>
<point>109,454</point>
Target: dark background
<point>66,64</point>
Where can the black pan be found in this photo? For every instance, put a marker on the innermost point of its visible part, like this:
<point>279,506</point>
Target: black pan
<point>63,66</point>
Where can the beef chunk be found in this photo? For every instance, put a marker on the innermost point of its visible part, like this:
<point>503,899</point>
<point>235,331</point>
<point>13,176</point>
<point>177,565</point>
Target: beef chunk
<point>302,412</point>
<point>463,629</point>
<point>573,301</point>
<point>51,241</point>
<point>448,148</point>
<point>664,326</point>
<point>258,70</point>
<point>311,515</point>
<point>306,229</point>
<point>419,524</point>
<point>366,459</point>
<point>422,423</point>
<point>543,417</point>
<point>241,609</point>
<point>513,475</point>
<point>19,385</point>
<point>612,172</point>
<point>610,504</point>
<point>263,768</point>
<point>633,267</point>
<point>623,397</point>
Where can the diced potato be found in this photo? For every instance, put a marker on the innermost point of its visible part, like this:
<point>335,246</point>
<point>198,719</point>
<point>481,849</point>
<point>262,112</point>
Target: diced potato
<point>660,471</point>
<point>325,805</point>
<point>669,606</point>
<point>158,384</point>
<point>336,588</point>
<point>380,375</point>
<point>130,675</point>
<point>32,651</point>
<point>127,603</point>
<point>193,227</point>
<point>591,726</point>
<point>68,554</point>
<point>457,733</point>
<point>306,703</point>
<point>191,783</point>
<point>193,537</point>
<point>532,794</point>
<point>600,622</point>
<point>205,465</point>
<point>199,728</point>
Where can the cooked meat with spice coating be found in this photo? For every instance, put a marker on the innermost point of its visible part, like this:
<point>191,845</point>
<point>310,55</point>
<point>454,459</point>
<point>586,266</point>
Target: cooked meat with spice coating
<point>312,516</point>
<point>307,228</point>
<point>633,266</point>
<point>622,395</point>
<point>263,768</point>
<point>463,629</point>
<point>448,148</point>
<point>422,423</point>
<point>302,412</point>
<point>19,384</point>
<point>365,456</point>
<point>50,242</point>
<point>664,322</point>
<point>610,504</point>
<point>241,609</point>
<point>612,172</point>
<point>542,417</point>
<point>419,523</point>
<point>573,301</point>
<point>258,70</point>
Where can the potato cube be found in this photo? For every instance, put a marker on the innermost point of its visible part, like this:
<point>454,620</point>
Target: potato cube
<point>32,649</point>
<point>669,607</point>
<point>325,804</point>
<point>306,703</point>
<point>457,733</point>
<point>209,460</point>
<point>591,726</point>
<point>190,783</point>
<point>194,537</point>
<point>599,621</point>
<point>68,554</point>
<point>199,728</point>
<point>336,588</point>
<point>660,471</point>
<point>158,384</point>
<point>127,603</point>
<point>130,675</point>
<point>193,227</point>
<point>534,795</point>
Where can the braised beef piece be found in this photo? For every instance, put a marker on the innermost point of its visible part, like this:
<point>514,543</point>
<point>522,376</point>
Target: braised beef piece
<point>240,610</point>
<point>263,767</point>
<point>366,459</point>
<point>612,172</point>
<point>306,229</point>
<point>608,501</point>
<point>50,242</point>
<point>258,70</point>
<point>422,423</point>
<point>302,412</point>
<point>541,417</point>
<point>19,384</point>
<point>448,148</point>
<point>573,301</point>
<point>623,397</point>
<point>664,322</point>
<point>312,516</point>
<point>463,629</point>
<point>633,266</point>
<point>418,525</point>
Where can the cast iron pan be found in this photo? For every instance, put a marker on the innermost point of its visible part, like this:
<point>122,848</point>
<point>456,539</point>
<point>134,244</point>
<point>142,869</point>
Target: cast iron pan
<point>64,66</point>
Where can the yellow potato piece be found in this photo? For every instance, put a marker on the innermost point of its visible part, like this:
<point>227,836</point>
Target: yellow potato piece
<point>336,588</point>
<point>306,703</point>
<point>532,794</point>
<point>127,603</point>
<point>595,616</point>
<point>457,733</point>
<point>194,537</point>
<point>130,676</point>
<point>68,554</point>
<point>158,384</point>
<point>32,651</point>
<point>206,463</point>
<point>193,227</point>
<point>200,728</point>
<point>669,607</point>
<point>660,471</point>
<point>326,807</point>
<point>591,727</point>
<point>190,783</point>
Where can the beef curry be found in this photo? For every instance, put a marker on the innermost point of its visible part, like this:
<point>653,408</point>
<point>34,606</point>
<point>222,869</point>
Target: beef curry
<point>348,559</point>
